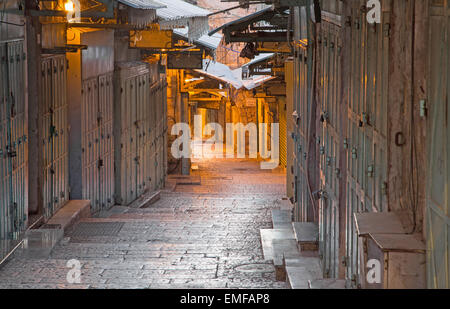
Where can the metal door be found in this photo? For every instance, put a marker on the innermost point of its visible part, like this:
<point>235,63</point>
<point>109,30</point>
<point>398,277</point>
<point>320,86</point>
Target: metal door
<point>304,208</point>
<point>106,153</point>
<point>54,128</point>
<point>438,211</point>
<point>13,141</point>
<point>330,85</point>
<point>90,142</point>
<point>133,132</point>
<point>283,131</point>
<point>97,141</point>
<point>366,141</point>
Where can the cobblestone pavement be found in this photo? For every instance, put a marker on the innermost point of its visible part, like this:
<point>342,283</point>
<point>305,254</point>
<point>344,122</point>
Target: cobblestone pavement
<point>196,236</point>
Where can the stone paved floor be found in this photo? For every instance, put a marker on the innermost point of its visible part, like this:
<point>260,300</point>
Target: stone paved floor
<point>197,236</point>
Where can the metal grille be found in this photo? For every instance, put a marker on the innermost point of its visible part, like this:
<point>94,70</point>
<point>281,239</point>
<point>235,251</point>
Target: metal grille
<point>88,229</point>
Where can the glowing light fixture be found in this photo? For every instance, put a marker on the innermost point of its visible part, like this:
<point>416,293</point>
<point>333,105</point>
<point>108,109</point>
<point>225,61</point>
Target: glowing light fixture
<point>69,6</point>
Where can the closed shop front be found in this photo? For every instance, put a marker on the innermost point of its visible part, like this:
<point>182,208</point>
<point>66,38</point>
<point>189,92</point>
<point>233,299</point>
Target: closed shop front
<point>135,116</point>
<point>54,133</point>
<point>91,99</point>
<point>438,210</point>
<point>329,68</point>
<point>13,140</point>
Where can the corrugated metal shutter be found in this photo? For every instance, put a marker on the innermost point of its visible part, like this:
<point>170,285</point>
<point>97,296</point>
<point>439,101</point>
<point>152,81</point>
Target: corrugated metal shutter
<point>13,141</point>
<point>106,152</point>
<point>54,130</point>
<point>283,132</point>
<point>329,70</point>
<point>290,128</point>
<point>97,141</point>
<point>138,114</point>
<point>366,144</point>
<point>438,211</point>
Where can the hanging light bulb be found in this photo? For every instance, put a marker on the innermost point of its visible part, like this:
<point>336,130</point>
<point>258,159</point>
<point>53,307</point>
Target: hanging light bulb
<point>68,6</point>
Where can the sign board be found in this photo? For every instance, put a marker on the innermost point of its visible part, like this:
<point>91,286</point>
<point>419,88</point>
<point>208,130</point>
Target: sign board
<point>191,60</point>
<point>209,105</point>
<point>151,39</point>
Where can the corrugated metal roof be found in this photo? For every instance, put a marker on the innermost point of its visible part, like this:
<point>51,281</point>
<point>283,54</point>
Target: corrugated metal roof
<point>252,82</point>
<point>242,19</point>
<point>259,58</point>
<point>211,42</point>
<point>177,9</point>
<point>143,4</point>
<point>221,72</point>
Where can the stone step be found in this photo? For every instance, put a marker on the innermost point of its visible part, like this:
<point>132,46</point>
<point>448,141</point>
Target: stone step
<point>307,235</point>
<point>328,284</point>
<point>70,214</point>
<point>267,237</point>
<point>283,249</point>
<point>286,204</point>
<point>112,212</point>
<point>300,271</point>
<point>281,219</point>
<point>39,243</point>
<point>146,199</point>
<point>186,180</point>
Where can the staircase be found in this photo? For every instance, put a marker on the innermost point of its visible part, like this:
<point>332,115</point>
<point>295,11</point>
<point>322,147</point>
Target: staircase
<point>293,249</point>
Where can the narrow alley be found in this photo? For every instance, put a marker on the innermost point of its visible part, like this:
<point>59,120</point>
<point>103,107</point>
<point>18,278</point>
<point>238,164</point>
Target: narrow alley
<point>225,144</point>
<point>202,233</point>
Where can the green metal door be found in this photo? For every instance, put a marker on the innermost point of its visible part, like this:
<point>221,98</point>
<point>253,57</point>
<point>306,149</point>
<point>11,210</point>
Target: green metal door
<point>13,141</point>
<point>283,131</point>
<point>438,211</point>
<point>330,85</point>
<point>90,142</point>
<point>366,140</point>
<point>106,150</point>
<point>54,128</point>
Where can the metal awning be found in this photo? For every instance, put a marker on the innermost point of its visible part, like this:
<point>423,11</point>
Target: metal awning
<point>249,18</point>
<point>140,12</point>
<point>143,4</point>
<point>267,25</point>
<point>220,72</point>
<point>178,9</point>
<point>258,59</point>
<point>180,14</point>
<point>210,42</point>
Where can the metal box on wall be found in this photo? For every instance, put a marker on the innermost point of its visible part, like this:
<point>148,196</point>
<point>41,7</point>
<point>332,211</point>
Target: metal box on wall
<point>401,256</point>
<point>402,262</point>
